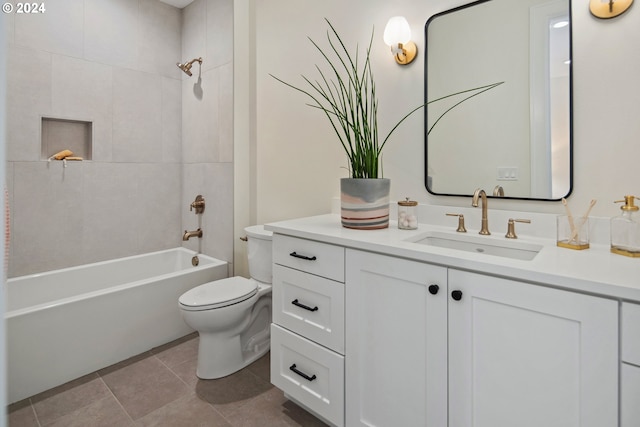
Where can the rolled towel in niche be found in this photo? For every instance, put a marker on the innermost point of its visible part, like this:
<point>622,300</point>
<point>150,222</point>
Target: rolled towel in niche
<point>61,155</point>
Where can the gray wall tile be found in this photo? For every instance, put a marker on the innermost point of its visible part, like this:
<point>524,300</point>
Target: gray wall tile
<point>82,90</point>
<point>171,120</point>
<point>28,99</point>
<point>194,34</point>
<point>111,33</point>
<point>219,33</point>
<point>160,43</point>
<point>112,62</point>
<point>137,116</point>
<point>48,216</point>
<point>58,30</point>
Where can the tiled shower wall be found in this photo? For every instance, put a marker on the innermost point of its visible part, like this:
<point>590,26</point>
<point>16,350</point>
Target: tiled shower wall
<point>110,62</point>
<point>207,125</point>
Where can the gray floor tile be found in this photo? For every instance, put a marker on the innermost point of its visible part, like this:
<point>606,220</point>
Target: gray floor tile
<point>274,410</point>
<point>178,352</point>
<point>144,386</point>
<point>232,392</point>
<point>67,398</point>
<point>188,411</point>
<point>160,388</point>
<point>21,414</point>
<point>105,412</point>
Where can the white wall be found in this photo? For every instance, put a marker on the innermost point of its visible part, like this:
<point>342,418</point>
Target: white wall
<point>299,159</point>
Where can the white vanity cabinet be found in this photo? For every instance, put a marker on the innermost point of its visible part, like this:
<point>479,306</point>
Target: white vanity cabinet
<point>630,369</point>
<point>307,333</point>
<point>396,312</point>
<point>475,351</point>
<point>362,337</point>
<point>527,355</point>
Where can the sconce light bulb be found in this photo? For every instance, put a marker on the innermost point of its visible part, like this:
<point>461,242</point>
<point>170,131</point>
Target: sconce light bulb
<point>397,31</point>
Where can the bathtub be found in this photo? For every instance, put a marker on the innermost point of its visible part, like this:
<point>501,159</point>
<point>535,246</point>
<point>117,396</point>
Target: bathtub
<point>63,324</point>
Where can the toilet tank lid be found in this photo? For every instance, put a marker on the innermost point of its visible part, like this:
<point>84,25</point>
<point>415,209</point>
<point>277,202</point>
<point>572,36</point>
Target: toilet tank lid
<point>258,232</point>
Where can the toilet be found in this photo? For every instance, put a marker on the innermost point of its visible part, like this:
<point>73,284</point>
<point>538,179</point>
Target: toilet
<point>233,315</point>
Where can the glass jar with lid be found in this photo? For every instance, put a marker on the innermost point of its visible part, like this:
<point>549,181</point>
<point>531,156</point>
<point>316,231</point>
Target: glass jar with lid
<point>407,214</point>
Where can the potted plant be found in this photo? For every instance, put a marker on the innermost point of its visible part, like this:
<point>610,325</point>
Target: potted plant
<point>346,94</point>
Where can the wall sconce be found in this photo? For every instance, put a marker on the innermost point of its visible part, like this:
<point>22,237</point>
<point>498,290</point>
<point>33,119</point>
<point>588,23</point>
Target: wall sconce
<point>608,8</point>
<point>397,35</point>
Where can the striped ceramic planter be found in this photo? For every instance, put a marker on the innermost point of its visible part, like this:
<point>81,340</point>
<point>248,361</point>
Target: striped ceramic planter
<point>365,203</point>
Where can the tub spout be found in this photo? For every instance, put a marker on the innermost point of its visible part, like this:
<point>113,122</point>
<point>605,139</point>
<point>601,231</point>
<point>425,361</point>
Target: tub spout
<point>189,234</point>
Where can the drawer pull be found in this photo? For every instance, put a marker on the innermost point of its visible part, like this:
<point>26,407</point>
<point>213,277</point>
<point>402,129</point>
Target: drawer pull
<point>295,255</point>
<point>306,307</point>
<point>302,374</point>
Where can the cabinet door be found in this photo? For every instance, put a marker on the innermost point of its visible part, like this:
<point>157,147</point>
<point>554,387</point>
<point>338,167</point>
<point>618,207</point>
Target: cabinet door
<point>396,342</point>
<point>630,395</point>
<point>526,355</point>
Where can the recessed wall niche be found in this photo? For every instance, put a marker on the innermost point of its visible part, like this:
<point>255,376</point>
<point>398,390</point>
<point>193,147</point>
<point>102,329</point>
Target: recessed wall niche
<point>62,134</point>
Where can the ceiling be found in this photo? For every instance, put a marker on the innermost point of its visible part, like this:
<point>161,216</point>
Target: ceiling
<point>177,3</point>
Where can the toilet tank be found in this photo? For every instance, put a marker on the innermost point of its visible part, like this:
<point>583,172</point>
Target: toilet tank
<point>259,253</point>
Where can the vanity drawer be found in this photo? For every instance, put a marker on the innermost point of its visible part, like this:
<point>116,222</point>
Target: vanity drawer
<point>309,373</point>
<point>309,305</point>
<point>312,257</point>
<point>631,333</point>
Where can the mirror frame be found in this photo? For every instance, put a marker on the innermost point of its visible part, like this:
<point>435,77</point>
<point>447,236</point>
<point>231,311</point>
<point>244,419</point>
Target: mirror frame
<point>426,90</point>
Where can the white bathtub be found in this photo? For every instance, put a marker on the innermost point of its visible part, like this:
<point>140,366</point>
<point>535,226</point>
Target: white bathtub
<point>66,323</point>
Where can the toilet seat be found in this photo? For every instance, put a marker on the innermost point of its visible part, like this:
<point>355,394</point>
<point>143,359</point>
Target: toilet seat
<point>219,293</point>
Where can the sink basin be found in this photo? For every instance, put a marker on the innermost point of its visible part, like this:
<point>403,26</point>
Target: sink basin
<point>480,244</point>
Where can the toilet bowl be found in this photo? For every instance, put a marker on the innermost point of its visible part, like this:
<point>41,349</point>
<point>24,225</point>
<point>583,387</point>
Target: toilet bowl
<point>233,315</point>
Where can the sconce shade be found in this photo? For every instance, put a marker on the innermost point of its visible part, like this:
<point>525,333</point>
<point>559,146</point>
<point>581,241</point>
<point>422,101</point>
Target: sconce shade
<point>397,35</point>
<point>397,31</point>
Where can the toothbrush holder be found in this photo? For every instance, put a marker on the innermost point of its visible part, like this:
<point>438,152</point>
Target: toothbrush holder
<point>573,233</point>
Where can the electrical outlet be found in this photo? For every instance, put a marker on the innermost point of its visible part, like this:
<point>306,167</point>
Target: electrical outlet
<point>508,173</point>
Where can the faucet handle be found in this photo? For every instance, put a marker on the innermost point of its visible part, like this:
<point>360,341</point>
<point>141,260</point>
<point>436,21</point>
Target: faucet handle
<point>198,204</point>
<point>511,227</point>
<point>460,228</point>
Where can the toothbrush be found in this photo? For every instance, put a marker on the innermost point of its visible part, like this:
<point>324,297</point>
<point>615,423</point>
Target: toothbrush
<point>569,218</point>
<point>583,220</point>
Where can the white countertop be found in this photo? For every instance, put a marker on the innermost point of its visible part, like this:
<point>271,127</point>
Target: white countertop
<point>594,270</point>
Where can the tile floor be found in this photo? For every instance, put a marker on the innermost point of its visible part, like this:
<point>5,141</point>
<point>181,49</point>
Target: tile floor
<point>160,388</point>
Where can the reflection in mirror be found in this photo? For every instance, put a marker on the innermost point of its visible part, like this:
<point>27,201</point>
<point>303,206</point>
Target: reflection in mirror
<point>518,135</point>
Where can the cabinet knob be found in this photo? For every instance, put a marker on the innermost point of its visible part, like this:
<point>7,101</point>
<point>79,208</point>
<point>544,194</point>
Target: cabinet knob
<point>456,295</point>
<point>433,289</point>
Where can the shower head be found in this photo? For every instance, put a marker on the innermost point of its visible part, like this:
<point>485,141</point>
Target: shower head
<point>187,67</point>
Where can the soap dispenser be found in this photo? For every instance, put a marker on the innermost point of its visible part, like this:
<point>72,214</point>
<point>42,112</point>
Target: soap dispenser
<point>625,229</point>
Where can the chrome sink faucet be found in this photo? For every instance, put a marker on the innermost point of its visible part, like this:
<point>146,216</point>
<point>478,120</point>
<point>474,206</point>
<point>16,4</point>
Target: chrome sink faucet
<point>480,194</point>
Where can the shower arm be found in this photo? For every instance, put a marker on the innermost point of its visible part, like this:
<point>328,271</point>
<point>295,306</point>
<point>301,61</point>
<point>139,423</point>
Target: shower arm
<point>190,63</point>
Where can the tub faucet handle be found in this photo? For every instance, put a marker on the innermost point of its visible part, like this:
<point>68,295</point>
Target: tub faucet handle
<point>198,204</point>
